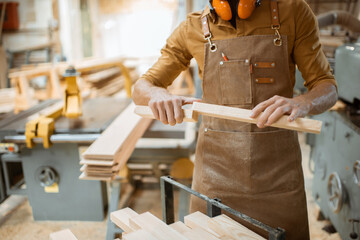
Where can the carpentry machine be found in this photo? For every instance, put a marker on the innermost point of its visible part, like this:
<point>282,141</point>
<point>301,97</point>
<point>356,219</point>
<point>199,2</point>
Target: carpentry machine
<point>336,153</point>
<point>41,150</point>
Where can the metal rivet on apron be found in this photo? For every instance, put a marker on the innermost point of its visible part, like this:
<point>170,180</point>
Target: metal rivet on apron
<point>256,80</point>
<point>271,80</point>
<point>221,63</point>
<point>275,17</point>
<point>274,10</point>
<point>256,64</point>
<point>205,130</point>
<point>273,64</point>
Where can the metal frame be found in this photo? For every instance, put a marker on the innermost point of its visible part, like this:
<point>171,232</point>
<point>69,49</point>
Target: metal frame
<point>214,207</point>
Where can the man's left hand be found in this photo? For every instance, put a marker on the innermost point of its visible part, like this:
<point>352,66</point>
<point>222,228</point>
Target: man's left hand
<point>278,106</point>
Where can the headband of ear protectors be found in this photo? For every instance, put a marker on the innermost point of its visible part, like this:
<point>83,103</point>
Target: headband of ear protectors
<point>225,8</point>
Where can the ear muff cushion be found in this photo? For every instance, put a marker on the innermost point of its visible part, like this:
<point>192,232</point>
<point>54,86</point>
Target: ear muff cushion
<point>245,8</point>
<point>222,9</point>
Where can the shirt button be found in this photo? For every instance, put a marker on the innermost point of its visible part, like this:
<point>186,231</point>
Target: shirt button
<point>205,130</point>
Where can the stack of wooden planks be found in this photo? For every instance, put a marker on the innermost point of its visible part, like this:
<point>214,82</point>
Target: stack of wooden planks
<point>107,81</point>
<point>7,98</point>
<point>110,152</point>
<point>197,226</point>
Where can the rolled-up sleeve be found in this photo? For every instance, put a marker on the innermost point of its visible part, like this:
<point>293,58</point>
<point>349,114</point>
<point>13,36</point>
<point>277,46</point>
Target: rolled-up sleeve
<point>174,59</point>
<point>307,52</point>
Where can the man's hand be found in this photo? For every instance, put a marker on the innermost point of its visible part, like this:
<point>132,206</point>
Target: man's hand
<point>278,106</point>
<point>167,107</point>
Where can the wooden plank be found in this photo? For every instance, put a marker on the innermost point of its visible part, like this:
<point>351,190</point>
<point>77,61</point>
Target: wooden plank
<point>117,138</point>
<point>180,227</point>
<point>199,233</point>
<point>199,220</point>
<point>97,162</point>
<point>83,176</point>
<point>243,115</point>
<point>139,235</point>
<point>145,112</point>
<point>63,235</point>
<point>155,226</point>
<point>238,114</point>
<point>102,75</point>
<point>121,219</point>
<point>224,225</point>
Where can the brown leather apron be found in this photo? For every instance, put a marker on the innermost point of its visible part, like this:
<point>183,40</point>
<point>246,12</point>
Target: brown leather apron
<point>255,171</point>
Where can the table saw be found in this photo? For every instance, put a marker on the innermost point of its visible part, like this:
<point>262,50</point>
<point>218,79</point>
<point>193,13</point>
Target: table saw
<point>49,176</point>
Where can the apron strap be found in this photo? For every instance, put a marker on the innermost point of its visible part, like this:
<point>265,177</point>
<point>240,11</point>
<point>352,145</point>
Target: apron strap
<point>207,33</point>
<point>274,14</point>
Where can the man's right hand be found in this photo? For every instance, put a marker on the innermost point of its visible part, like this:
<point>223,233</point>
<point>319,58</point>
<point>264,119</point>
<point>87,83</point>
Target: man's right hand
<point>167,107</point>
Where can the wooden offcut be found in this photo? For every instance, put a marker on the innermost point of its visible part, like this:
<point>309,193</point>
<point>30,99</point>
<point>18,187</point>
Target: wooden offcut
<point>197,226</point>
<point>65,234</point>
<point>199,220</point>
<point>121,219</point>
<point>115,145</point>
<point>155,226</point>
<point>226,226</point>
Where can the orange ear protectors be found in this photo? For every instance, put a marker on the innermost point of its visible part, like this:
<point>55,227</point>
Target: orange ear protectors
<point>244,9</point>
<point>222,9</point>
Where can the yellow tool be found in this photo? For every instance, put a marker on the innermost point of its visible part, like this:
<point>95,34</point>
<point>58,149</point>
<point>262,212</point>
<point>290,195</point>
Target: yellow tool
<point>43,126</point>
<point>72,98</point>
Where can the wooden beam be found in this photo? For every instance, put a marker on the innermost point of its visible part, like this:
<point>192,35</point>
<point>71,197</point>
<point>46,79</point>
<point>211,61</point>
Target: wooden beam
<point>155,226</point>
<point>243,115</point>
<point>139,235</point>
<point>199,220</point>
<point>63,235</point>
<point>121,219</point>
<point>145,112</point>
<point>180,227</point>
<point>238,114</point>
<point>226,226</point>
<point>199,233</point>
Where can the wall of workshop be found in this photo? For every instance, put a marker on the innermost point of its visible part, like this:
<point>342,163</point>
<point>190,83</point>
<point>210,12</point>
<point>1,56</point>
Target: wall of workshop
<point>35,18</point>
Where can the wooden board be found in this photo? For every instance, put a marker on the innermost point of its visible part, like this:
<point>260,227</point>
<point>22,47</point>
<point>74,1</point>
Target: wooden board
<point>199,220</point>
<point>155,226</point>
<point>199,233</point>
<point>102,75</point>
<point>243,115</point>
<point>121,219</point>
<point>115,137</point>
<point>145,112</point>
<point>180,227</point>
<point>139,235</point>
<point>224,225</point>
<point>63,235</point>
<point>238,114</point>
<point>83,176</point>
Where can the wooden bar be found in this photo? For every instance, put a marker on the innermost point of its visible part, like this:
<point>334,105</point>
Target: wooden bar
<point>237,114</point>
<point>226,226</point>
<point>63,235</point>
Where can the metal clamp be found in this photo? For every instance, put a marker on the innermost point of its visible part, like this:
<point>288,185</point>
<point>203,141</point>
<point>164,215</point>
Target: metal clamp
<point>277,40</point>
<point>214,207</point>
<point>213,46</point>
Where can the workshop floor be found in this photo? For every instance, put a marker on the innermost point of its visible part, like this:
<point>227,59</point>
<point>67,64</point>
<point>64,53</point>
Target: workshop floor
<point>19,224</point>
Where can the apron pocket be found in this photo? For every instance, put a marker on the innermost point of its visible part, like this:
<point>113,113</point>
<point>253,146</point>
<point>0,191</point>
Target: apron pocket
<point>226,162</point>
<point>275,161</point>
<point>235,82</point>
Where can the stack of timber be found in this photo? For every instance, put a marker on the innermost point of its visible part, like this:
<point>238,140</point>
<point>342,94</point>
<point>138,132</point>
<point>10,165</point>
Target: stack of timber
<point>106,82</point>
<point>196,226</point>
<point>110,152</point>
<point>7,98</point>
<point>98,78</point>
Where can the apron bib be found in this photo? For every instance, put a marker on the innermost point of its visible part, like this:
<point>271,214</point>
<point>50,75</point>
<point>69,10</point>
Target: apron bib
<point>255,171</point>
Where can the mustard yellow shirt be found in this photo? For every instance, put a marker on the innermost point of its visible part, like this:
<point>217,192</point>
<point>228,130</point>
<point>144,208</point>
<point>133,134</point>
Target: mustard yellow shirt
<point>297,22</point>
